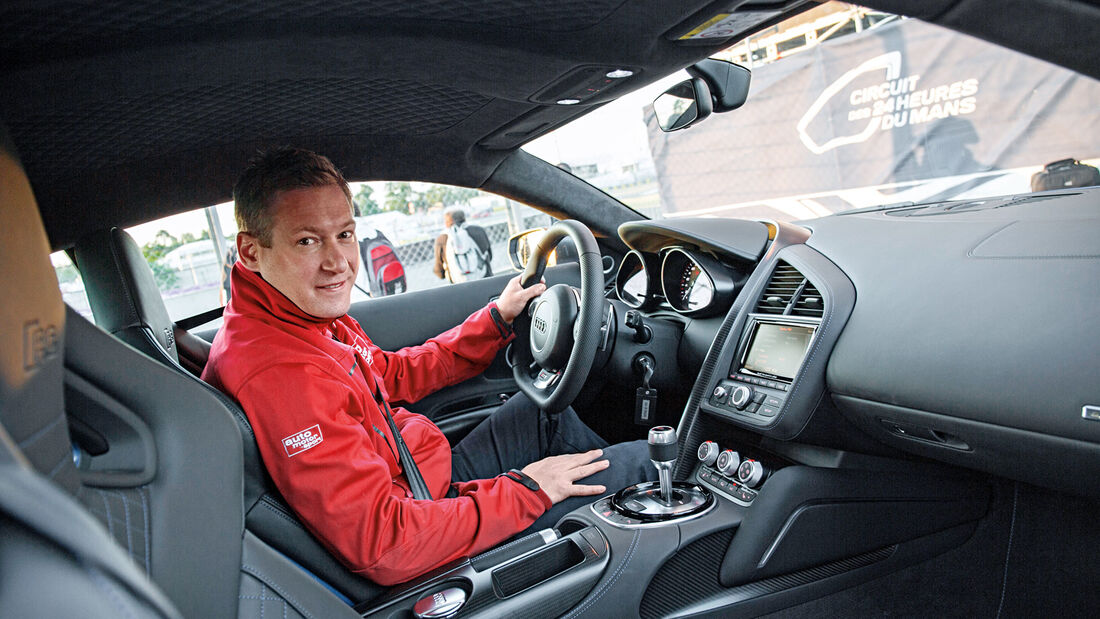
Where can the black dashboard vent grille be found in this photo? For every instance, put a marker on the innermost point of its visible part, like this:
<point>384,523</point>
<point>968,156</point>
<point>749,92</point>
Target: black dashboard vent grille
<point>784,284</point>
<point>809,302</point>
<point>790,293</point>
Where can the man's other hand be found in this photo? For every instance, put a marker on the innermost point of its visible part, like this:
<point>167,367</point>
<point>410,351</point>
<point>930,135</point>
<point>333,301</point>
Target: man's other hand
<point>556,474</point>
<point>515,297</point>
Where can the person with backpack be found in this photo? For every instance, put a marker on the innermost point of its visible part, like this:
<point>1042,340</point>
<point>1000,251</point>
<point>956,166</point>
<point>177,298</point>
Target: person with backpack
<point>462,251</point>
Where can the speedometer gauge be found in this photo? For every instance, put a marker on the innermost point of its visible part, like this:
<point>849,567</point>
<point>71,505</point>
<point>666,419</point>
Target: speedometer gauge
<point>696,289</point>
<point>689,282</point>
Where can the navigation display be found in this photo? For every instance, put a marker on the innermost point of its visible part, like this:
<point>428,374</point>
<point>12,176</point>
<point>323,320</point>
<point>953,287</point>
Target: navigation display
<point>777,349</point>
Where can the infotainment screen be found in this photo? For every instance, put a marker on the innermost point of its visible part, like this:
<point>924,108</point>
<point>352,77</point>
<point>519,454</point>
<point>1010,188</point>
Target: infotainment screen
<point>777,349</point>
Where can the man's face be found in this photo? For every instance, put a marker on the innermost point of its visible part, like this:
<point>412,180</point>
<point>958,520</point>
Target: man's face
<point>314,255</point>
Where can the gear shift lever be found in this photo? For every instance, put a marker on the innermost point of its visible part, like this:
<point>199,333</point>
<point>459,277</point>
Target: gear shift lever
<point>663,500</point>
<point>662,452</point>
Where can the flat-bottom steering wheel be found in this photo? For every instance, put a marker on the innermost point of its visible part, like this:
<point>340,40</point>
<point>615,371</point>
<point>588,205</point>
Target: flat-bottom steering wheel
<point>564,328</point>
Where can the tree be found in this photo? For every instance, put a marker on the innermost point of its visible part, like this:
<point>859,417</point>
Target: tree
<point>364,203</point>
<point>66,273</point>
<point>400,195</point>
<point>156,249</point>
<point>449,195</point>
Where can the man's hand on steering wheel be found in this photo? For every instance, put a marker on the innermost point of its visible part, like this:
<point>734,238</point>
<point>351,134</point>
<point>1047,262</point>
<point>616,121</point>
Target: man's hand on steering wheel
<point>514,298</point>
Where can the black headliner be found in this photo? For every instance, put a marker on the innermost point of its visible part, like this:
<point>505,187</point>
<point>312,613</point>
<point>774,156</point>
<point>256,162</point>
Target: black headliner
<point>128,110</point>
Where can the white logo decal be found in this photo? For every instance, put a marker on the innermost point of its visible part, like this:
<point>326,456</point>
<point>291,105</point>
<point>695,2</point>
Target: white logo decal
<point>894,102</point>
<point>300,441</point>
<point>363,350</point>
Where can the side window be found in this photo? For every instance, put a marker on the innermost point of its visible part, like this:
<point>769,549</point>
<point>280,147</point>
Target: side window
<point>397,223</point>
<point>189,254</point>
<point>410,217</point>
<point>72,286</point>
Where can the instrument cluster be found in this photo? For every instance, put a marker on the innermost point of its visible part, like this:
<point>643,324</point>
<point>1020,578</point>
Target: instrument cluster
<point>690,282</point>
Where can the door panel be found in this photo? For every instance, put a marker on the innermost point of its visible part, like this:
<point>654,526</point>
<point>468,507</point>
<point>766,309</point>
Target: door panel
<point>411,318</point>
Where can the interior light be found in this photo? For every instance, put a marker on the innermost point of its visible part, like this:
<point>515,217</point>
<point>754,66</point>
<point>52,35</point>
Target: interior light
<point>568,101</point>
<point>619,73</point>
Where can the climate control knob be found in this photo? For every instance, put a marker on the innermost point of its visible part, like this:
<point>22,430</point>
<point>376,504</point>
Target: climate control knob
<point>750,473</point>
<point>727,462</point>
<point>741,396</point>
<point>708,452</point>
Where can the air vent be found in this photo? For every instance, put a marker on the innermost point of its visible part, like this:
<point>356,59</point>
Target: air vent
<point>784,283</point>
<point>789,293</point>
<point>809,302</point>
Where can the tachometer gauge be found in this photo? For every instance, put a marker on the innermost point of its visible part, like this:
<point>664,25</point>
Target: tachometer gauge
<point>633,282</point>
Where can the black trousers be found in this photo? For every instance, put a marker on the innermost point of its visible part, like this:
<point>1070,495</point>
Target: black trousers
<point>518,433</point>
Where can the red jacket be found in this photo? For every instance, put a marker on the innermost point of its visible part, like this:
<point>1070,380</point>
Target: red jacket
<point>306,385</point>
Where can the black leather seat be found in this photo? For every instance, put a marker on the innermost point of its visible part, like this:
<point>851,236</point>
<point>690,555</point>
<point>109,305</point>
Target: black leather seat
<point>159,461</point>
<point>126,302</point>
<point>55,559</point>
<point>49,544</point>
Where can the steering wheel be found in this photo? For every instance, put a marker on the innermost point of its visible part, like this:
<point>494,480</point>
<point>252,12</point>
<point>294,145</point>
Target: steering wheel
<point>564,325</point>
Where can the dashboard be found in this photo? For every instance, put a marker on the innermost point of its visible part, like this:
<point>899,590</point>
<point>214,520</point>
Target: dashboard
<point>883,333</point>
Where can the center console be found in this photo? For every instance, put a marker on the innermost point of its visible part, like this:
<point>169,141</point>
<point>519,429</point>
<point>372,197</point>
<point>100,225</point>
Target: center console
<point>654,503</point>
<point>765,367</point>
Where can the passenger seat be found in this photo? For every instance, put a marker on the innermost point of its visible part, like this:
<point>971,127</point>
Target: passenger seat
<point>159,458</point>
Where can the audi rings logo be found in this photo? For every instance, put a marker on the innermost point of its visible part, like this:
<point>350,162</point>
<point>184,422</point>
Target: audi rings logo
<point>540,325</point>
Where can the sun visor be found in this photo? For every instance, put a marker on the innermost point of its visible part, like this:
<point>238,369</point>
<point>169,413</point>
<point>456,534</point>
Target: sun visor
<point>726,20</point>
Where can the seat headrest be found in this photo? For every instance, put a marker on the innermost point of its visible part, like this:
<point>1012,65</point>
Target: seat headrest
<point>32,327</point>
<point>121,288</point>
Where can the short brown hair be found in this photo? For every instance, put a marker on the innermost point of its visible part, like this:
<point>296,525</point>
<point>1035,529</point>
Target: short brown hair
<point>274,171</point>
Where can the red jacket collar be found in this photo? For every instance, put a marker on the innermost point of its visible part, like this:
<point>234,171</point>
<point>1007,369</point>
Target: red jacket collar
<point>254,296</point>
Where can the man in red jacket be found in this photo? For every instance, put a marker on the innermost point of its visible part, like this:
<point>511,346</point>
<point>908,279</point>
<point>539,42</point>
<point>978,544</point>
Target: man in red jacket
<point>315,389</point>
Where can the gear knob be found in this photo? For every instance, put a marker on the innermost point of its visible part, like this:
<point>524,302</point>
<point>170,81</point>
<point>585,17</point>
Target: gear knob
<point>662,444</point>
<point>662,451</point>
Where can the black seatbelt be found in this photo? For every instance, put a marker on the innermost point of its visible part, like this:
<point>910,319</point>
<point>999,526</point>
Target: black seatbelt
<point>412,473</point>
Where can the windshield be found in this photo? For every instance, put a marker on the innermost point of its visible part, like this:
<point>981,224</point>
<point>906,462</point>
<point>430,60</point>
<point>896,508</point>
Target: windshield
<point>847,108</point>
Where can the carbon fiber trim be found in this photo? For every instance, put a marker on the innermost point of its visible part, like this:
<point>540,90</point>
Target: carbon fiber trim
<point>691,574</point>
<point>688,583</point>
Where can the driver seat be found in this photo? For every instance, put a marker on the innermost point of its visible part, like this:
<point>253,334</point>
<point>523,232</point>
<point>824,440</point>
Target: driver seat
<point>125,301</point>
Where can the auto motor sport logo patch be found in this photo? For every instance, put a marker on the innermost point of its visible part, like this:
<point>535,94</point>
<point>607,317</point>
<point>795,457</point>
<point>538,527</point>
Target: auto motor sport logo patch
<point>300,441</point>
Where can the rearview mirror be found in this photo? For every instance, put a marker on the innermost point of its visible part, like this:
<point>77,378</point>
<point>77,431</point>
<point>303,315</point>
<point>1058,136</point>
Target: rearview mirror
<point>682,105</point>
<point>715,86</point>
<point>728,82</point>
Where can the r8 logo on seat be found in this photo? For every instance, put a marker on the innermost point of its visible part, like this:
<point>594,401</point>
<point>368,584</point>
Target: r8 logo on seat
<point>39,344</point>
